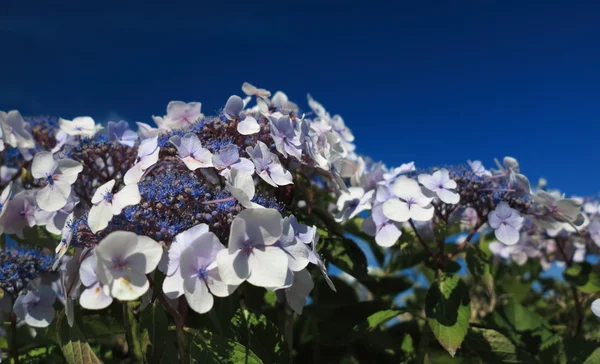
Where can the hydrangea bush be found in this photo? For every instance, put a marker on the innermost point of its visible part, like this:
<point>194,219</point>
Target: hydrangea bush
<point>243,238</point>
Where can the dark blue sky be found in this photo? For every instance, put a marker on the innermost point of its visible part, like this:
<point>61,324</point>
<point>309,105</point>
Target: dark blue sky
<point>437,82</point>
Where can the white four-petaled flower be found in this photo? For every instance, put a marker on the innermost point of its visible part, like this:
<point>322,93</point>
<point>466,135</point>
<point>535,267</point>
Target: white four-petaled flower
<point>80,126</point>
<point>191,152</point>
<point>440,183</point>
<point>173,283</point>
<point>58,175</point>
<point>122,261</point>
<point>201,279</point>
<point>410,204</point>
<point>107,204</point>
<point>506,223</point>
<point>252,253</point>
<point>147,156</point>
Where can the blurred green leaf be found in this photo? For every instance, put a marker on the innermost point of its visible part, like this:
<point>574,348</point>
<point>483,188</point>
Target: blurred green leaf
<point>582,276</point>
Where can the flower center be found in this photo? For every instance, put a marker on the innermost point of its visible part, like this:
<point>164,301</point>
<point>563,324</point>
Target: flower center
<point>202,273</point>
<point>120,265</point>
<point>108,197</point>
<point>50,179</point>
<point>248,247</point>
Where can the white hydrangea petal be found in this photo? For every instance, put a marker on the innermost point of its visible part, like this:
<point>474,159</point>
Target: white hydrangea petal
<point>419,213</point>
<point>197,295</point>
<point>102,191</point>
<point>217,286</point>
<point>596,307</point>
<point>50,198</point>
<point>428,181</point>
<point>134,174</point>
<point>127,196</point>
<point>99,216</point>
<point>248,126</point>
<point>233,267</point>
<point>94,298</point>
<point>128,287</point>
<point>298,253</point>
<point>43,165</point>
<point>69,170</point>
<point>173,285</point>
<point>87,271</point>
<point>396,210</point>
<point>280,175</point>
<point>40,316</point>
<point>245,165</point>
<point>297,294</point>
<point>262,226</point>
<point>268,267</point>
<point>448,196</point>
<point>388,235</point>
<point>146,256</point>
<point>507,234</point>
<point>116,245</point>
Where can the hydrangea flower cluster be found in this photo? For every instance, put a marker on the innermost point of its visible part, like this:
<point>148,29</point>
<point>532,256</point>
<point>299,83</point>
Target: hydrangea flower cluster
<point>207,203</point>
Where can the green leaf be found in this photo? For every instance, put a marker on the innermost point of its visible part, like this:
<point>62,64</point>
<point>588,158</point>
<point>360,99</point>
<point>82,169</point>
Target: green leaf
<point>73,344</point>
<point>39,237</point>
<point>479,267</point>
<point>208,348</point>
<point>594,358</point>
<point>390,285</point>
<point>520,318</point>
<point>448,311</point>
<point>582,276</point>
<point>371,323</point>
<point>153,326</point>
<point>336,321</point>
<point>494,347</point>
<point>346,255</point>
<point>254,331</point>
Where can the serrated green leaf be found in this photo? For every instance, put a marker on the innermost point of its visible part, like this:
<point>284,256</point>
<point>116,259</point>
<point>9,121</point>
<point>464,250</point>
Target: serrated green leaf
<point>448,311</point>
<point>210,348</point>
<point>73,344</point>
<point>494,347</point>
<point>255,332</point>
<point>583,276</point>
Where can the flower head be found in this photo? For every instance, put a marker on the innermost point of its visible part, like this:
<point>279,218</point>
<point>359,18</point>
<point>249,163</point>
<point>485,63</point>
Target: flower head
<point>252,254</point>
<point>58,175</point>
<point>410,204</point>
<point>80,126</point>
<point>121,133</point>
<point>268,166</point>
<point>35,307</point>
<point>440,183</point>
<point>201,279</point>
<point>191,152</point>
<point>506,223</point>
<point>122,261</point>
<point>147,156</point>
<point>107,204</point>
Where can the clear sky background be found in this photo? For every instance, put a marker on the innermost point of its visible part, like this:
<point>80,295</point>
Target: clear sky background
<point>437,82</point>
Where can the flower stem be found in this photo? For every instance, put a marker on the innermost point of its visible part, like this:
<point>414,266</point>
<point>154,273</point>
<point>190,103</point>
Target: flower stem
<point>13,338</point>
